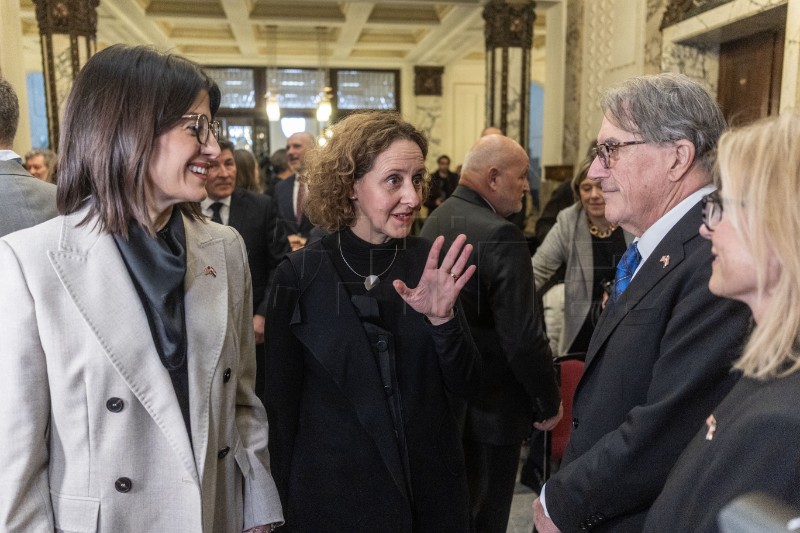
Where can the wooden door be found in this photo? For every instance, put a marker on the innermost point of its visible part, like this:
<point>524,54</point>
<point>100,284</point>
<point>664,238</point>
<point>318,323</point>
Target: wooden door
<point>750,76</point>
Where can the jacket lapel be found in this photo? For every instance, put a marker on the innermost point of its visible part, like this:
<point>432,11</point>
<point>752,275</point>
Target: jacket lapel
<point>650,274</point>
<point>342,347</point>
<point>95,277</point>
<point>206,303</point>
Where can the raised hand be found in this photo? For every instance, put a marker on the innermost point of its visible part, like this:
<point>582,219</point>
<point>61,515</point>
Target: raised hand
<point>436,293</point>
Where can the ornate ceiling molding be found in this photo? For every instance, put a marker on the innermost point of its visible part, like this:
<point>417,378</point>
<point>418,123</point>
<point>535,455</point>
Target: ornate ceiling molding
<point>680,10</point>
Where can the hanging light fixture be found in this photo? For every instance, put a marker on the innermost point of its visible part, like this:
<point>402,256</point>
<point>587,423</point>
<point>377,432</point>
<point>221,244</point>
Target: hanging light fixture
<point>273,107</point>
<point>324,106</point>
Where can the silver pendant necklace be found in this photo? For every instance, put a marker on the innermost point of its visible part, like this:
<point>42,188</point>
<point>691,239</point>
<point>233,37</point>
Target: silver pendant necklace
<point>371,280</point>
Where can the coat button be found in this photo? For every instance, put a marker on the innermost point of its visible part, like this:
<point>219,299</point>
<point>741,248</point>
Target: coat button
<point>223,452</point>
<point>382,345</point>
<point>123,484</point>
<point>226,376</point>
<point>115,405</point>
<point>574,423</point>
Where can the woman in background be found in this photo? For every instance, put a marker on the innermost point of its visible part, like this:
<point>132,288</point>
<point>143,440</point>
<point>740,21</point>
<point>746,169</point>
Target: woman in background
<point>247,173</point>
<point>749,442</point>
<point>590,246</point>
<point>365,372</point>
<point>128,359</point>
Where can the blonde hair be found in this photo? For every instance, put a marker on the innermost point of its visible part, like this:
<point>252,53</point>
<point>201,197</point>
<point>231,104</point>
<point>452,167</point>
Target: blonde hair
<point>759,178</point>
<point>332,170</point>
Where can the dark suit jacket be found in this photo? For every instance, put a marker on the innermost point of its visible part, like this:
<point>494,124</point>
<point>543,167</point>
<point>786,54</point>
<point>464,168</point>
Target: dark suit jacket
<point>440,188</point>
<point>659,361</point>
<point>254,217</point>
<point>334,452</point>
<point>753,448</point>
<point>283,196</point>
<point>518,377</point>
<point>24,200</point>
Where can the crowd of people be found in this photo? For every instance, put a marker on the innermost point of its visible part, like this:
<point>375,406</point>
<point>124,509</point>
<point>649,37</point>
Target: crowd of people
<point>183,352</point>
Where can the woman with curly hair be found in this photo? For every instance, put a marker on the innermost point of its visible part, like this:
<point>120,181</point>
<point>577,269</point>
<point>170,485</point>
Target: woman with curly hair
<point>362,368</point>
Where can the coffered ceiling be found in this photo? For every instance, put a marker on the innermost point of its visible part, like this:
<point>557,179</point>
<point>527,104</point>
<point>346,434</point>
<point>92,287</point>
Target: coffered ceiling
<point>293,32</point>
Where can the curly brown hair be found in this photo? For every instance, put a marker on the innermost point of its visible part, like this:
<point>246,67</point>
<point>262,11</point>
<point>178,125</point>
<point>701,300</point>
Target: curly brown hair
<point>333,169</point>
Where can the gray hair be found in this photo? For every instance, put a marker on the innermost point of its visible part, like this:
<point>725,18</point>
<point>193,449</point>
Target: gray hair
<point>665,108</point>
<point>9,113</point>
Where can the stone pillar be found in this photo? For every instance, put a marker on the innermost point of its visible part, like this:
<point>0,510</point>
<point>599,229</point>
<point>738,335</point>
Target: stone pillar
<point>509,38</point>
<point>67,31</point>
<point>428,113</point>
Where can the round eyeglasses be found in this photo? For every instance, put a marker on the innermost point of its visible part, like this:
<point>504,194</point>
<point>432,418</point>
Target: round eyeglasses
<point>712,210</point>
<point>605,150</point>
<point>202,127</point>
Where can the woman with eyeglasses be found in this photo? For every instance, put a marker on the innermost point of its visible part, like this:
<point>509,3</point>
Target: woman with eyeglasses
<point>750,441</point>
<point>127,366</point>
<point>589,247</point>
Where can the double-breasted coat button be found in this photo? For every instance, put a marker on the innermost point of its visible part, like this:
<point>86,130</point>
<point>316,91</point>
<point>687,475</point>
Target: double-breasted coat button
<point>123,484</point>
<point>223,452</point>
<point>115,405</point>
<point>574,423</point>
<point>226,376</point>
<point>382,345</point>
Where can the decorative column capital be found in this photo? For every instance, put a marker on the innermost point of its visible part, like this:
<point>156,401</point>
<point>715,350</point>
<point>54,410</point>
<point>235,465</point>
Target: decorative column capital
<point>509,25</point>
<point>428,81</point>
<point>70,17</point>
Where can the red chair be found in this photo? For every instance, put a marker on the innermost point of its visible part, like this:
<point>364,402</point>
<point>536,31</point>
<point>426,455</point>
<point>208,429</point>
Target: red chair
<point>570,370</point>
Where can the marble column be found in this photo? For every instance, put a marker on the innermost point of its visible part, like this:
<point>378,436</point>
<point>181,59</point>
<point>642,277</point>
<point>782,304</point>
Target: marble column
<point>509,38</point>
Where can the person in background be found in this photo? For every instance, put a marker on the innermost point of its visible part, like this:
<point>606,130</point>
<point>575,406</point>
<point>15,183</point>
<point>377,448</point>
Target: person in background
<point>519,389</point>
<point>247,173</point>
<point>363,368</point>
<point>24,202</point>
<point>41,163</point>
<point>290,193</point>
<point>590,246</point>
<point>126,380</point>
<point>749,441</point>
<point>660,356</point>
<point>256,219</point>
<point>443,183</point>
<point>279,170</point>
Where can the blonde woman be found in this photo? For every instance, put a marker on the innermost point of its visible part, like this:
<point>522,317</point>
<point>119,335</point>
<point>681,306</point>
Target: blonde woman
<point>750,441</point>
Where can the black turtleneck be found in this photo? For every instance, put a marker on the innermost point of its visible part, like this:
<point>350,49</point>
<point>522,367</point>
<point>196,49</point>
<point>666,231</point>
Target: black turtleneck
<point>363,257</point>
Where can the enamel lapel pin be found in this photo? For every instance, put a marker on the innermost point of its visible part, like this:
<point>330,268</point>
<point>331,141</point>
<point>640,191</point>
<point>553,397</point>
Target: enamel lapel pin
<point>664,261</point>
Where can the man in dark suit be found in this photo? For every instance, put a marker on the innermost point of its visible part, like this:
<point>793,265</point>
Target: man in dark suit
<point>24,200</point>
<point>661,354</point>
<point>289,193</point>
<point>254,217</point>
<point>519,383</point>
<point>443,183</point>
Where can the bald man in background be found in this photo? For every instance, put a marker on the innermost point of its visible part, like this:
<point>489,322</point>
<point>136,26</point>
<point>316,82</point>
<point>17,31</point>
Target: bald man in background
<point>519,385</point>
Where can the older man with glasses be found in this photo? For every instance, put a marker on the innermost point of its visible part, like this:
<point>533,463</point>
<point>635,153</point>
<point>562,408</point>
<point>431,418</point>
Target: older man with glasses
<point>661,354</point>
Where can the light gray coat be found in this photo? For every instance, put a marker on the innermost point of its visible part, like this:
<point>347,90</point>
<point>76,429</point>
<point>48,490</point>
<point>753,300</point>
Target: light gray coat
<point>24,200</point>
<point>570,242</point>
<point>73,338</point>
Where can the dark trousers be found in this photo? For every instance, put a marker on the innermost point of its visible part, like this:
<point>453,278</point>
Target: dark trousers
<point>491,474</point>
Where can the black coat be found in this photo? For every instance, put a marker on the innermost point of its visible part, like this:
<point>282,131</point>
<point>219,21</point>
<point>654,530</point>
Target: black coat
<point>336,459</point>
<point>284,197</point>
<point>753,447</point>
<point>659,361</point>
<point>518,376</point>
<point>255,218</point>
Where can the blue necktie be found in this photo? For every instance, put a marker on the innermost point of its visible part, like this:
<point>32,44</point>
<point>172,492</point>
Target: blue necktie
<point>625,269</point>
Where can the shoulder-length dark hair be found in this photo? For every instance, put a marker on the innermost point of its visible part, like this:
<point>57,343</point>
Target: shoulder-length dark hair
<point>121,101</point>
